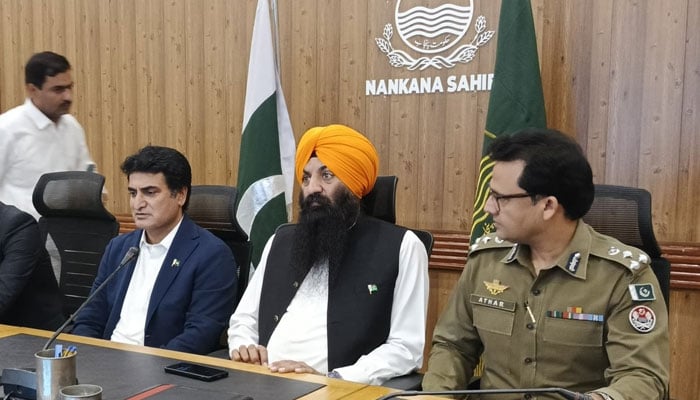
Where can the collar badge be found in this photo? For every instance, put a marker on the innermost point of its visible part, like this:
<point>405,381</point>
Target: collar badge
<point>574,260</point>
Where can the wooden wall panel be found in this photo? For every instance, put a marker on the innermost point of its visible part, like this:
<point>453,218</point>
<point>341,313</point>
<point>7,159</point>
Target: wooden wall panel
<point>661,110</point>
<point>684,322</point>
<point>689,154</point>
<point>621,76</point>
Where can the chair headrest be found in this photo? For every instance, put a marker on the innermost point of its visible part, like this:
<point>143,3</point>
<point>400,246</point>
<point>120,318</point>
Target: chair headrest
<point>624,213</point>
<point>70,194</point>
<point>381,201</point>
<point>213,207</point>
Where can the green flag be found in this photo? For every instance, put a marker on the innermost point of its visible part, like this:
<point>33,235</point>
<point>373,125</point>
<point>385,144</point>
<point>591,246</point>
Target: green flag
<point>516,99</point>
<point>266,163</point>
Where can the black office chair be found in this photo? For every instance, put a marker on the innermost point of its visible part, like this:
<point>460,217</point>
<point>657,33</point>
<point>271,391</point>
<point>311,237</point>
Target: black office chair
<point>625,214</point>
<point>213,208</point>
<point>70,204</point>
<point>381,203</point>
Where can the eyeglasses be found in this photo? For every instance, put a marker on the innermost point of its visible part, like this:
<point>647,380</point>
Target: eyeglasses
<point>499,197</point>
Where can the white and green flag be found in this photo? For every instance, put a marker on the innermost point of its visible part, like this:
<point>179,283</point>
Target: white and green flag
<point>266,163</point>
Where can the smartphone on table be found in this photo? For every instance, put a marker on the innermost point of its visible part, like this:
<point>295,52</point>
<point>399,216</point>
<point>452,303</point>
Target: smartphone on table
<point>196,371</point>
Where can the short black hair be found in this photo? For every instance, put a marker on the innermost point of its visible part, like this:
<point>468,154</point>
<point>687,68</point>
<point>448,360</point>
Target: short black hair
<point>555,165</point>
<point>172,163</point>
<point>44,64</point>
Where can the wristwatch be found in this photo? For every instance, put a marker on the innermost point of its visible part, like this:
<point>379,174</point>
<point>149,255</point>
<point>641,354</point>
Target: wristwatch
<point>604,395</point>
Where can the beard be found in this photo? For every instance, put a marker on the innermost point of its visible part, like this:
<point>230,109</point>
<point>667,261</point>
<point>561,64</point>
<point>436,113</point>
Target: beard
<point>322,231</point>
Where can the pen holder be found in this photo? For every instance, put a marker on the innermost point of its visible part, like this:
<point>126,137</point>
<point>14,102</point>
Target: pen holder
<point>81,392</point>
<point>53,373</point>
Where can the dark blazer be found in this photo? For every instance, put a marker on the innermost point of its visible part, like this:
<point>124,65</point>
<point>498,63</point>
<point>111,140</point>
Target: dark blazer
<point>29,294</point>
<point>191,301</point>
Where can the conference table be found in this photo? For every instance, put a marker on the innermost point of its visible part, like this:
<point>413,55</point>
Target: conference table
<point>125,370</point>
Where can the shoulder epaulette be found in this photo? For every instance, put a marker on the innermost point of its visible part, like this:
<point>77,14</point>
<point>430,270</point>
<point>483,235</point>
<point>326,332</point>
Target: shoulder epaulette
<point>621,254</point>
<point>490,241</point>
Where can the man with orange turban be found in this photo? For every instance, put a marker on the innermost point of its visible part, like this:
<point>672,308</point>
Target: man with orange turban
<point>339,293</point>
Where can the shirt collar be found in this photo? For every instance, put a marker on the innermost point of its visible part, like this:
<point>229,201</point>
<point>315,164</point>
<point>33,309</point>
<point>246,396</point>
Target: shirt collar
<point>167,240</point>
<point>574,259</point>
<point>39,118</point>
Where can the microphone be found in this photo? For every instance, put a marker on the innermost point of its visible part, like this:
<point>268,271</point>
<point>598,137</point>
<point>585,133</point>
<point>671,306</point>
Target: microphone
<point>132,253</point>
<point>566,394</point>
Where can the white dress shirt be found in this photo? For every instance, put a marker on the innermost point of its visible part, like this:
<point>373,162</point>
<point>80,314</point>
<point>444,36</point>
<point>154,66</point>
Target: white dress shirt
<point>132,318</point>
<point>301,334</point>
<point>32,145</point>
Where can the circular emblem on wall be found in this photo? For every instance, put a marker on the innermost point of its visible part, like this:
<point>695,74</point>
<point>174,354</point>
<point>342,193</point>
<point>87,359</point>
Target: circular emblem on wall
<point>430,30</point>
<point>642,319</point>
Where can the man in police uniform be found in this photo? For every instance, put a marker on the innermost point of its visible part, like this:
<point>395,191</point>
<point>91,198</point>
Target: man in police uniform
<point>546,300</point>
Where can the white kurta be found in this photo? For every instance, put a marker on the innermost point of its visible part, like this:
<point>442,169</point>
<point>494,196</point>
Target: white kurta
<point>301,332</point>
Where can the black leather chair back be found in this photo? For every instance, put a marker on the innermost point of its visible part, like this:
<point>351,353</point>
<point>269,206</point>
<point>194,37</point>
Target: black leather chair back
<point>72,212</point>
<point>213,208</point>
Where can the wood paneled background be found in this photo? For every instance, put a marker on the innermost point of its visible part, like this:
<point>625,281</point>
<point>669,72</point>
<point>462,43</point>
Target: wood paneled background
<point>622,76</point>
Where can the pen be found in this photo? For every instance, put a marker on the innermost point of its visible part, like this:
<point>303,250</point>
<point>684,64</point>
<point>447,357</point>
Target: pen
<point>529,311</point>
<point>58,350</point>
<point>71,350</point>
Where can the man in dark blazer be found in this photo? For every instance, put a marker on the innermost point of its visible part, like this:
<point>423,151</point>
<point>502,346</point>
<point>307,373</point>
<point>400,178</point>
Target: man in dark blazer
<point>180,291</point>
<point>29,294</point>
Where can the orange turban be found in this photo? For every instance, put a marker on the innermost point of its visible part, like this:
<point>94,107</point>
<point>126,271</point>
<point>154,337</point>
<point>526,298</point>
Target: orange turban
<point>348,154</point>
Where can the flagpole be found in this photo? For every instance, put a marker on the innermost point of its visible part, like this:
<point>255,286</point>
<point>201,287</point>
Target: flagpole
<point>276,36</point>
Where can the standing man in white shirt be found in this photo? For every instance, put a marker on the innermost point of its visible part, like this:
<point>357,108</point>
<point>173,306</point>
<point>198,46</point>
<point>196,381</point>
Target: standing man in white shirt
<point>40,136</point>
<point>339,293</point>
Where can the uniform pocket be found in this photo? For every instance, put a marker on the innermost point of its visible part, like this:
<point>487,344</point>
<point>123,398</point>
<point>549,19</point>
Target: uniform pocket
<point>572,332</point>
<point>493,320</point>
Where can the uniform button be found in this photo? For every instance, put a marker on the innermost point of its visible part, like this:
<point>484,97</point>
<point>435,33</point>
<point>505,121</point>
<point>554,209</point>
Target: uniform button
<point>276,318</point>
<point>295,284</point>
<point>528,360</point>
<point>530,326</point>
<point>536,292</point>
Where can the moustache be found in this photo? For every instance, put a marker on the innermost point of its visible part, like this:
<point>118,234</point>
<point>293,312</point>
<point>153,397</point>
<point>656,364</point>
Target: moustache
<point>320,200</point>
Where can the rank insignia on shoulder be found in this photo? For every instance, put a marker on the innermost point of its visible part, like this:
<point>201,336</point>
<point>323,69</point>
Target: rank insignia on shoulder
<point>488,241</point>
<point>613,251</point>
<point>642,292</point>
<point>495,287</point>
<point>642,319</point>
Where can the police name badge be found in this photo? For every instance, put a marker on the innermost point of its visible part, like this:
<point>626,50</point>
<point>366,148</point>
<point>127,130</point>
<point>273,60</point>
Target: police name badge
<point>642,292</point>
<point>642,319</point>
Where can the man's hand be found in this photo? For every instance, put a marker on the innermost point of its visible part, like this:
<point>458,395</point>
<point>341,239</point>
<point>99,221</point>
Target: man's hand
<point>297,367</point>
<point>251,354</point>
